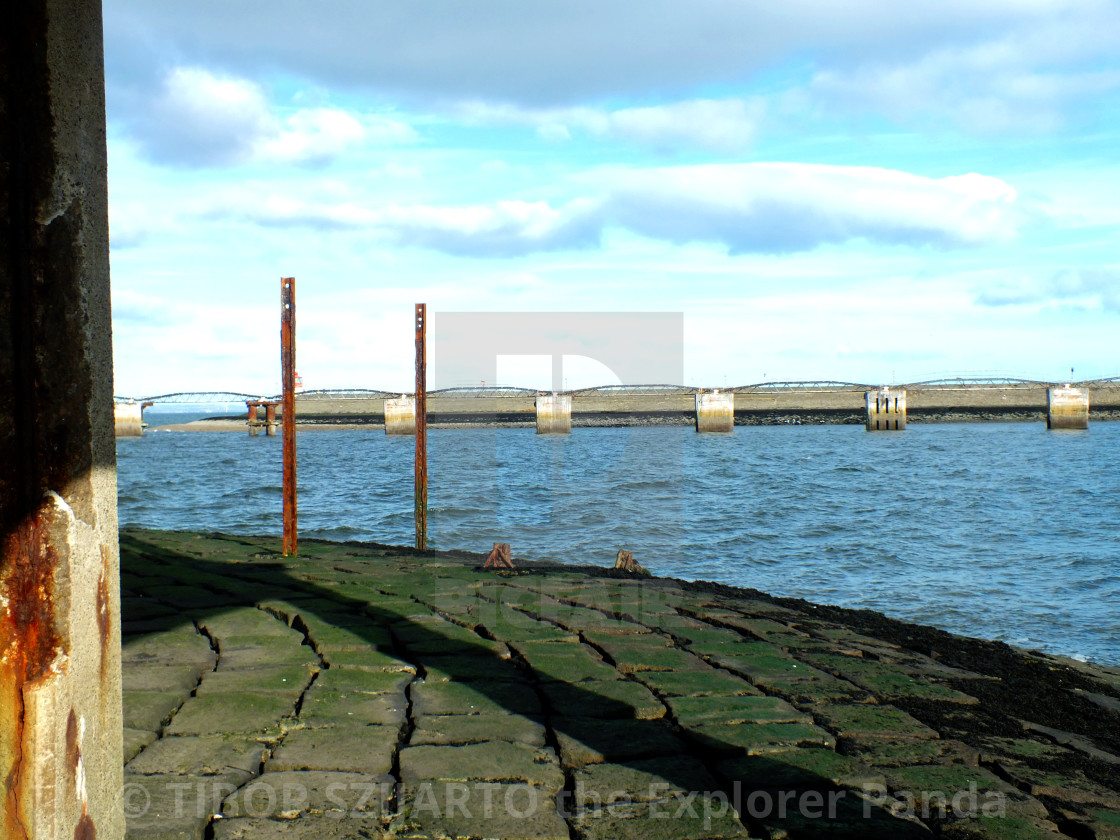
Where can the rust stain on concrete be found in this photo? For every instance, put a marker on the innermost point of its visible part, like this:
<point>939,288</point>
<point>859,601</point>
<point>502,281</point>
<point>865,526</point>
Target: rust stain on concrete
<point>85,829</point>
<point>104,614</point>
<point>27,624</point>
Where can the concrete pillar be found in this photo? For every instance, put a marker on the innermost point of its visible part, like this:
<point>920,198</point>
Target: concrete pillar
<point>1067,408</point>
<point>886,410</point>
<point>60,684</point>
<point>554,414</point>
<point>254,414</point>
<point>128,419</point>
<point>715,412</point>
<point>400,416</point>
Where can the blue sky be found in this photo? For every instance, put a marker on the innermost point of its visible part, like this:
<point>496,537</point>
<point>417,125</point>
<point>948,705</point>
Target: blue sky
<point>867,191</point>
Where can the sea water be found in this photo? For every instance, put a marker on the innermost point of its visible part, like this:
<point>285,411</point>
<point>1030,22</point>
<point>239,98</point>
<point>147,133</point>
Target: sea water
<point>998,530</point>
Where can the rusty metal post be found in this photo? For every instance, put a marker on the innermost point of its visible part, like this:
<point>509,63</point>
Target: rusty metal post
<point>252,408</point>
<point>288,411</point>
<point>421,490</point>
<point>270,418</point>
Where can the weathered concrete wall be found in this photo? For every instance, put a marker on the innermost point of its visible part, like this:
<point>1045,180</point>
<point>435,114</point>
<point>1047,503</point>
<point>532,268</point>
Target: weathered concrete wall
<point>715,412</point>
<point>1068,408</point>
<point>886,410</point>
<point>60,691</point>
<point>554,414</point>
<point>128,419</point>
<point>400,416</point>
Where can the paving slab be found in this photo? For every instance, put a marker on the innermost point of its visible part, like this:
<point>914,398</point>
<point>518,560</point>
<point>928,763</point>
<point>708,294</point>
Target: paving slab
<point>230,712</point>
<point>588,741</point>
<point>485,668</point>
<point>449,698</point>
<point>694,711</point>
<point>759,738</point>
<point>355,748</point>
<point>135,740</point>
<point>674,818</point>
<point>500,761</point>
<point>335,708</point>
<point>604,698</point>
<point>171,806</point>
<point>289,794</point>
<point>169,678</point>
<point>597,786</point>
<point>287,680</point>
<point>151,710</point>
<point>207,755</point>
<point>476,729</point>
<point>463,810</point>
<point>362,682</point>
<point>305,827</point>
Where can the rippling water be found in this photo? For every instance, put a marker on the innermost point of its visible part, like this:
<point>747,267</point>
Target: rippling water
<point>1004,531</point>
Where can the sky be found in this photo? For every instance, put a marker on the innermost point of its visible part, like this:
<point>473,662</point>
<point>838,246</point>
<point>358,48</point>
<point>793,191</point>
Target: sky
<point>866,191</point>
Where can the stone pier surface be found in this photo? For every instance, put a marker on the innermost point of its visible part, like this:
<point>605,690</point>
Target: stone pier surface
<point>362,691</point>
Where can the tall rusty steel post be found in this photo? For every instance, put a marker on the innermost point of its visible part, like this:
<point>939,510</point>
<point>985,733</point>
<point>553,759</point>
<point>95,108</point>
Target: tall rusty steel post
<point>421,491</point>
<point>288,411</point>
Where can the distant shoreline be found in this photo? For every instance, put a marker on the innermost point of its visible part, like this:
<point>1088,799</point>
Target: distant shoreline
<point>229,424</point>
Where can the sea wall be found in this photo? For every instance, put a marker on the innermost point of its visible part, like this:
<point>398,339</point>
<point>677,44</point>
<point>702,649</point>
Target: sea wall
<point>763,406</point>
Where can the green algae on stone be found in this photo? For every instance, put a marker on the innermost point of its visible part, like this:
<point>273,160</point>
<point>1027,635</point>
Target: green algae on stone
<point>698,683</point>
<point>644,780</point>
<point>356,637</point>
<point>604,699</point>
<point>867,720</point>
<point>336,708</point>
<point>445,809</point>
<point>499,761</point>
<point>150,710</point>
<point>287,793</point>
<point>362,682</point>
<point>654,655</point>
<point>477,729</point>
<point>357,749</point>
<point>587,741</point>
<point>812,768</point>
<point>135,740</point>
<point>449,698</point>
<point>289,680</point>
<point>681,817</point>
<point>471,669</point>
<point>205,755</point>
<point>693,711</point>
<point>367,660</point>
<point>758,739</point>
<point>230,712</point>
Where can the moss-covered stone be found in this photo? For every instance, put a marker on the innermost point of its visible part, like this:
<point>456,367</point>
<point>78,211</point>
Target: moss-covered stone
<point>758,739</point>
<point>230,712</point>
<point>604,699</point>
<point>449,698</point>
<point>588,741</point>
<point>352,748</point>
<point>477,729</point>
<point>694,711</point>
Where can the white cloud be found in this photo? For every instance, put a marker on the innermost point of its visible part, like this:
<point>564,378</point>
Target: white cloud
<point>747,208</point>
<point>551,53</point>
<point>787,207</point>
<point>719,125</point>
<point>201,118</point>
<point>1089,288</point>
<point>993,86</point>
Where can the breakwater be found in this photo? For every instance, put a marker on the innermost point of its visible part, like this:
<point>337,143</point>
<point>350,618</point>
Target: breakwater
<point>767,404</point>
